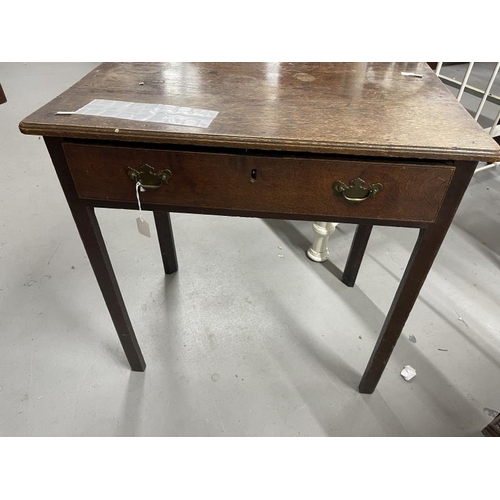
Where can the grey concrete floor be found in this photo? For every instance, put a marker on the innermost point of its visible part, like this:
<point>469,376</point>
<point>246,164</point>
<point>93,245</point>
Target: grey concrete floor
<point>241,341</point>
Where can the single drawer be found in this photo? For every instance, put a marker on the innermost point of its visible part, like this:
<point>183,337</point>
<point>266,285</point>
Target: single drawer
<point>265,184</point>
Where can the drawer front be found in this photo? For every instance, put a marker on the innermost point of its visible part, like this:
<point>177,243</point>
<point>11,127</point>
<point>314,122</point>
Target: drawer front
<point>410,192</point>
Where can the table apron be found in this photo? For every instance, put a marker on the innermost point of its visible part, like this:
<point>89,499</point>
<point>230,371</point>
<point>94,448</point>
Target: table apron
<point>259,186</point>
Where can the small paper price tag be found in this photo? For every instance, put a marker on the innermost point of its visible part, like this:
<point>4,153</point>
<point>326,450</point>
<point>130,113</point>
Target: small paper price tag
<point>143,227</point>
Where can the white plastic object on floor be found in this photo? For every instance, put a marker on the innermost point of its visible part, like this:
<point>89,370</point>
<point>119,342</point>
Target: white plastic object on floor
<point>318,252</point>
<point>408,373</point>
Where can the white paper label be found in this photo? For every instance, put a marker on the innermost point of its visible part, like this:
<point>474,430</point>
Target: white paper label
<point>145,112</point>
<point>143,227</point>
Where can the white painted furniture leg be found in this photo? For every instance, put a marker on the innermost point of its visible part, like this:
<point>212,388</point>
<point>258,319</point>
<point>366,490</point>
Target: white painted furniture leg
<point>319,249</point>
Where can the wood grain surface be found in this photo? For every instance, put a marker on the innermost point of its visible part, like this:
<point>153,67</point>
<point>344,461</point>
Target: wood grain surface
<point>346,108</point>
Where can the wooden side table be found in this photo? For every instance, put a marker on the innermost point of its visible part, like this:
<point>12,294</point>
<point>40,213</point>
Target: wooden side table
<point>359,143</point>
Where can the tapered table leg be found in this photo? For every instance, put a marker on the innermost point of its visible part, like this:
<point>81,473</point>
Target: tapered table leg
<point>421,260</point>
<point>90,233</point>
<point>166,239</point>
<point>493,428</point>
<point>92,239</point>
<point>2,96</point>
<point>418,266</point>
<point>356,254</point>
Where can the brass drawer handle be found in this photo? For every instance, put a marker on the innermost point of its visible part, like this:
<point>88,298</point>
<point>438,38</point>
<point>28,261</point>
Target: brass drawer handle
<point>357,190</point>
<point>148,178</point>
